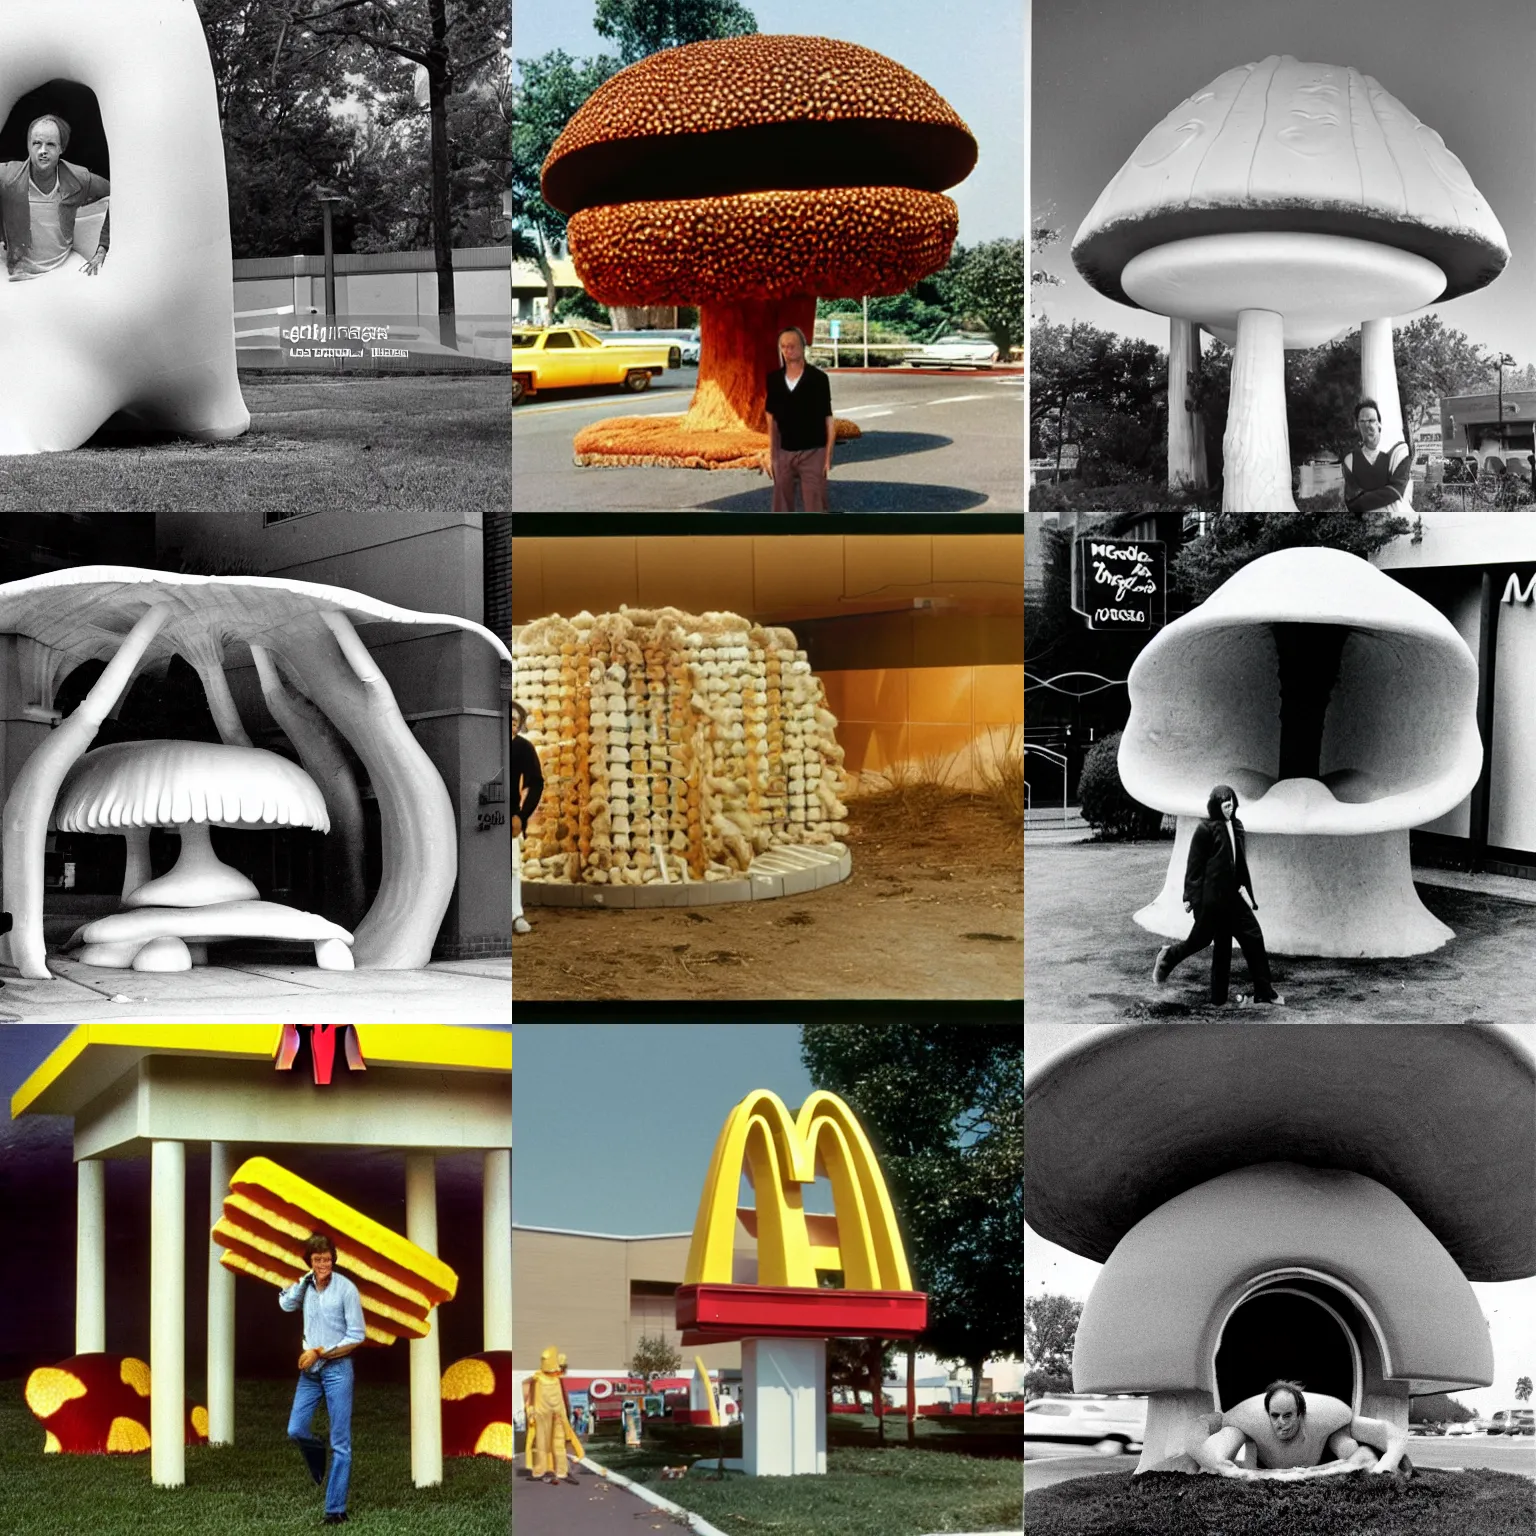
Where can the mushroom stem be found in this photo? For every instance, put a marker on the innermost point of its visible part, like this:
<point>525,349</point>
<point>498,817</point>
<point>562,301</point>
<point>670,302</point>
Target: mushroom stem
<point>30,801</point>
<point>738,349</point>
<point>199,878</point>
<point>1257,445</point>
<point>1186,428</point>
<point>137,869</point>
<point>1378,382</point>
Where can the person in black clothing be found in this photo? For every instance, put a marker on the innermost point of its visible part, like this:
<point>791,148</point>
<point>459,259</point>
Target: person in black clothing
<point>1375,476</point>
<point>527,787</point>
<point>1214,879</point>
<point>802,430</point>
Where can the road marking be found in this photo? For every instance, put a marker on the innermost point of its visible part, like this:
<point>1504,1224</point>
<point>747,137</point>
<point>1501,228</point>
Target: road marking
<point>869,412</point>
<point>874,405</point>
<point>956,399</point>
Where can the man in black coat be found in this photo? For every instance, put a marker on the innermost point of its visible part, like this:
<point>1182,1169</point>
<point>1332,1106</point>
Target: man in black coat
<point>1214,879</point>
<point>802,430</point>
<point>527,787</point>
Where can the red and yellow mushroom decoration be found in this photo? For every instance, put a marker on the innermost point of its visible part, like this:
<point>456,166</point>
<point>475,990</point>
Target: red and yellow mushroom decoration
<point>748,176</point>
<point>99,1403</point>
<point>477,1406</point>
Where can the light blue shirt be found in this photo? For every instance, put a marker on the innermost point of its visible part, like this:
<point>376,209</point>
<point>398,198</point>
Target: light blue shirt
<point>332,1316</point>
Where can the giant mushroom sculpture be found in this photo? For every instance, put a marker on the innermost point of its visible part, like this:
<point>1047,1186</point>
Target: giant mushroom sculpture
<point>1278,206</point>
<point>748,176</point>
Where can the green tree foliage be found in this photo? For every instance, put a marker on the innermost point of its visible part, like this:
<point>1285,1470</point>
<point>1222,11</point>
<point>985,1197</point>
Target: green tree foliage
<point>1233,539</point>
<point>1107,806</point>
<point>944,1106</point>
<point>653,1357</point>
<point>987,285</point>
<point>1523,1390</point>
<point>1042,236</point>
<point>1434,361</point>
<point>579,306</point>
<point>1050,1334</point>
<point>1437,1408</point>
<point>643,27</point>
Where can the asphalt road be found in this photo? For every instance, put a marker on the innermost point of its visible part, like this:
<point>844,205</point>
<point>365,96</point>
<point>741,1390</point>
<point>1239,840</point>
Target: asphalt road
<point>933,442</point>
<point>1494,1452</point>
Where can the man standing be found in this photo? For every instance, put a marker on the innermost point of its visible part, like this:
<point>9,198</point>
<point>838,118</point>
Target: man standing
<point>527,787</point>
<point>1214,880</point>
<point>1287,1437</point>
<point>802,429</point>
<point>1375,477</point>
<point>333,1328</point>
<point>38,200</point>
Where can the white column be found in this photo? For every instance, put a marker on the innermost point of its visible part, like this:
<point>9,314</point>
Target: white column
<point>426,1369</point>
<point>496,1239</point>
<point>784,1407</point>
<point>1256,449</point>
<point>90,1256</point>
<point>1186,428</point>
<point>221,1309</point>
<point>1378,381</point>
<point>167,1314</point>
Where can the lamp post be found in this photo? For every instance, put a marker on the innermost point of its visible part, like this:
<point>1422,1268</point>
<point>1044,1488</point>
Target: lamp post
<point>327,197</point>
<point>1504,360</point>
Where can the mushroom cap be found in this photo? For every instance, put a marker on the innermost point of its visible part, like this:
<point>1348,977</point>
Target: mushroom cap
<point>1288,146</point>
<point>760,245</point>
<point>171,783</point>
<point>756,113</point>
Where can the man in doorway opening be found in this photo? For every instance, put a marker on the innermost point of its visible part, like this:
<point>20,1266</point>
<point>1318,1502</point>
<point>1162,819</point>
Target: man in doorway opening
<point>1286,1434</point>
<point>802,429</point>
<point>39,197</point>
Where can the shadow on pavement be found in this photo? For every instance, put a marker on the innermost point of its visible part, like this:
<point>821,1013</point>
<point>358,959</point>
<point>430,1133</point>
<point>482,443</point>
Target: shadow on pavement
<point>863,496</point>
<point>876,444</point>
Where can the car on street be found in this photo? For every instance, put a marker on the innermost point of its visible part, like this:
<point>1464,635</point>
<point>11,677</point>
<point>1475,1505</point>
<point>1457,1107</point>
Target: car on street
<point>953,352</point>
<point>569,356</point>
<point>1513,1421</point>
<point>1465,1427</point>
<point>1107,1425</point>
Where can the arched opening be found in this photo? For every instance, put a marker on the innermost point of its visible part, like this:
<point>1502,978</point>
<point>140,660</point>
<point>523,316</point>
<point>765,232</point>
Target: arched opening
<point>78,106</point>
<point>1283,1331</point>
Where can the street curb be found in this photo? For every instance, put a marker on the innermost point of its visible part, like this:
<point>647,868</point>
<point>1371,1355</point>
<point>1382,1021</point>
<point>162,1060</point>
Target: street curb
<point>695,1522</point>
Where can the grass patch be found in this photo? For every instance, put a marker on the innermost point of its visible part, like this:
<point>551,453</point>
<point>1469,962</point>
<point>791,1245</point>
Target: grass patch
<point>256,1487</point>
<point>866,1492</point>
<point>394,445</point>
<point>1433,1503</point>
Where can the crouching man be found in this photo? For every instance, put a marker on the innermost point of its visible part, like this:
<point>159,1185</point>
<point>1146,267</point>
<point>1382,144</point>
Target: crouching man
<point>1287,1434</point>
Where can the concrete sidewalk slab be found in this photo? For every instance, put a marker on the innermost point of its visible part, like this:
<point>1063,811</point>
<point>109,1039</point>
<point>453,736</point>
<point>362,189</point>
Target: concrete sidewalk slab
<point>592,1506</point>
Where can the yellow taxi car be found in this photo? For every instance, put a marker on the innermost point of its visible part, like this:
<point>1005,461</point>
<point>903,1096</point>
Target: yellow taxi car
<point>567,356</point>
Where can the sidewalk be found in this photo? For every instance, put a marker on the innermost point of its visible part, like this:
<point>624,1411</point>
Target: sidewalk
<point>592,1507</point>
<point>446,992</point>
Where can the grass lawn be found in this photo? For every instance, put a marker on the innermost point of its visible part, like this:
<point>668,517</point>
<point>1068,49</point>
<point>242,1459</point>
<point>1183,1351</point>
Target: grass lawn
<point>257,1487</point>
<point>866,1492</point>
<point>389,444</point>
<point>1434,1503</point>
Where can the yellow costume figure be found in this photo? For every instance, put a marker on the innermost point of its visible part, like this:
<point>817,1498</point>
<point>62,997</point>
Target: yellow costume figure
<point>549,1420</point>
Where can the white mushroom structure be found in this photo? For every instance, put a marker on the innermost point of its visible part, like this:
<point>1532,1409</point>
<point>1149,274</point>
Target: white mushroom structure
<point>675,747</point>
<point>1342,708</point>
<point>321,686</point>
<point>1277,207</point>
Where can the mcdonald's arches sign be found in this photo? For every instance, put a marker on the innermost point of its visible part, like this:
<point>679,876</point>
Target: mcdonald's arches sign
<point>797,1253</point>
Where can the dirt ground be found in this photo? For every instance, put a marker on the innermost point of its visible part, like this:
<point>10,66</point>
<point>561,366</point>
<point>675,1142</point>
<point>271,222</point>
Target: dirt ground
<point>934,908</point>
<point>1088,963</point>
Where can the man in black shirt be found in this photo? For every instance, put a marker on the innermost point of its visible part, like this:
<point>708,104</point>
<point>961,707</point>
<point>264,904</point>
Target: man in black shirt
<point>527,786</point>
<point>803,431</point>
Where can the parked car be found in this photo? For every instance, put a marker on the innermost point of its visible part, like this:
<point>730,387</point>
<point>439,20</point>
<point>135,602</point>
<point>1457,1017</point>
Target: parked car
<point>954,352</point>
<point>1465,1427</point>
<point>1108,1425</point>
<point>566,356</point>
<point>1513,1421</point>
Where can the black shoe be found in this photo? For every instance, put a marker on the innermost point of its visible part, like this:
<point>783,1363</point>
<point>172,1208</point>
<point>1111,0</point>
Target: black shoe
<point>340,1519</point>
<point>1160,966</point>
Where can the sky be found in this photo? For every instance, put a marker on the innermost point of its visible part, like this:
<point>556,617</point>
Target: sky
<point>582,1093</point>
<point>978,68</point>
<point>1509,1306</point>
<point>1106,72</point>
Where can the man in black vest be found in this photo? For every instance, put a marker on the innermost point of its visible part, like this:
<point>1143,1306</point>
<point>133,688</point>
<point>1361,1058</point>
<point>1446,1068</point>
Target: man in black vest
<point>802,431</point>
<point>1376,475</point>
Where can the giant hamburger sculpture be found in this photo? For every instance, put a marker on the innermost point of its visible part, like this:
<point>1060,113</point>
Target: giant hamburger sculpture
<point>748,176</point>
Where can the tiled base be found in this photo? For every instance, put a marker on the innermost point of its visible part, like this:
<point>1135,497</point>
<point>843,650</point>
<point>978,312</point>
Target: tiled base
<point>789,871</point>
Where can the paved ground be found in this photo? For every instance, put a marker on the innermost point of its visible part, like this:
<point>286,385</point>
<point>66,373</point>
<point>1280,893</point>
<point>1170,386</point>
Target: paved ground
<point>1495,1453</point>
<point>940,442</point>
<point>591,1507</point>
<point>1088,963</point>
<point>448,992</point>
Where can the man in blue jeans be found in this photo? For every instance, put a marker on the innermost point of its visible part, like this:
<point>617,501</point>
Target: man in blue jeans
<point>333,1328</point>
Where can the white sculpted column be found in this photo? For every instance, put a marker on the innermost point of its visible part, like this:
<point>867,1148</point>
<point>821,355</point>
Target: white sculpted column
<point>221,1309</point>
<point>90,1256</point>
<point>426,1367</point>
<point>496,1238</point>
<point>167,1314</point>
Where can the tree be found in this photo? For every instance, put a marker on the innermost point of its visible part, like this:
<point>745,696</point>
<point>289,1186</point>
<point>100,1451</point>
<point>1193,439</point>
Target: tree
<point>547,95</point>
<point>989,285</point>
<point>1050,1334</point>
<point>1434,361</point>
<point>643,27</point>
<point>1234,539</point>
<point>944,1106</point>
<point>1437,1408</point>
<point>451,41</point>
<point>1523,1390</point>
<point>1041,237</point>
<point>653,1357</point>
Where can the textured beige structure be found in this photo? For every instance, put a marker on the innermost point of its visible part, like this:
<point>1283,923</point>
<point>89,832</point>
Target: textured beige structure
<point>1342,708</point>
<point>1281,204</point>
